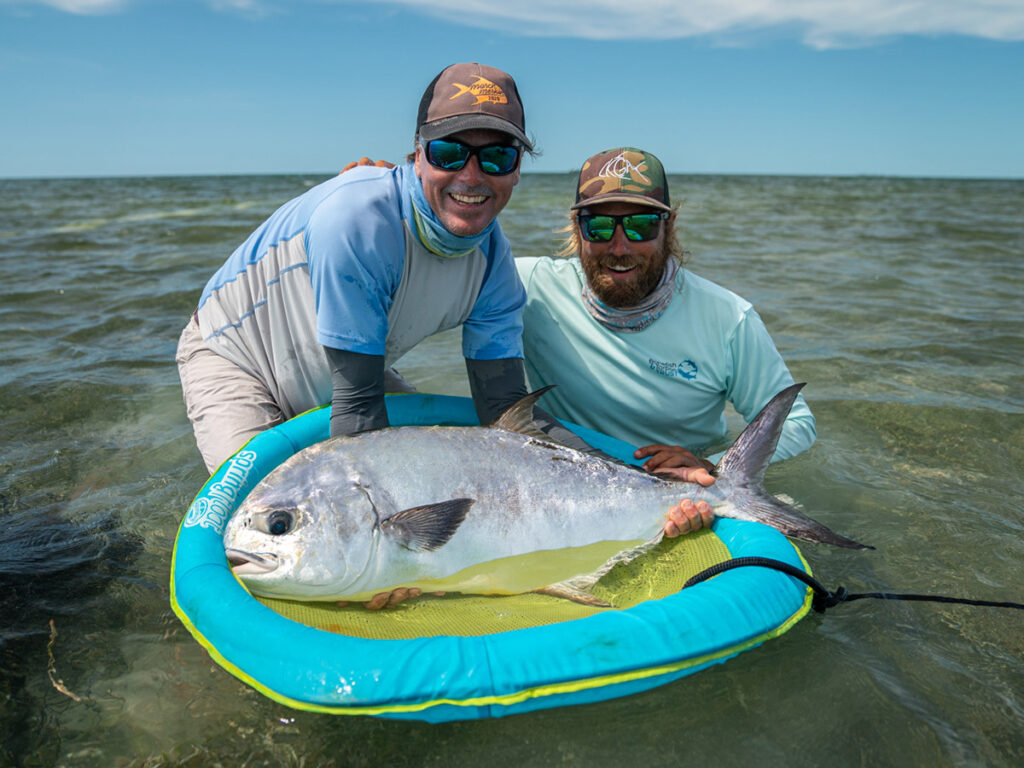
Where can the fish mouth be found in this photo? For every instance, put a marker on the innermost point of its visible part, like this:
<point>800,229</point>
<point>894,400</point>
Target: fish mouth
<point>251,563</point>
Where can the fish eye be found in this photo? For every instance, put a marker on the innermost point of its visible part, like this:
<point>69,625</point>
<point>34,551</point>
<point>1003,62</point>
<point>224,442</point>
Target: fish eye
<point>279,522</point>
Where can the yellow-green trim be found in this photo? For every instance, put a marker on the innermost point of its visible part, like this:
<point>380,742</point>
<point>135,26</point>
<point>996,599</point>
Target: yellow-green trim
<point>573,686</point>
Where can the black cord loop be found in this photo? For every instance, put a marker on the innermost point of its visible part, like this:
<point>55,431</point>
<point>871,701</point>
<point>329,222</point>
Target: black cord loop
<point>823,599</point>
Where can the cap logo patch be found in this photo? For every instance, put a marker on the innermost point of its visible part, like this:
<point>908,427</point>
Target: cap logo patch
<point>620,167</point>
<point>483,89</point>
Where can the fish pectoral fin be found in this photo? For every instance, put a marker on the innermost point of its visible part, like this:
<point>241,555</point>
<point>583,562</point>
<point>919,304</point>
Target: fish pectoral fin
<point>569,591</point>
<point>428,527</point>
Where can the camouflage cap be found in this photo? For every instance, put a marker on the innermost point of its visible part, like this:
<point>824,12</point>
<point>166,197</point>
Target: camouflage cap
<point>623,175</point>
<point>471,96</point>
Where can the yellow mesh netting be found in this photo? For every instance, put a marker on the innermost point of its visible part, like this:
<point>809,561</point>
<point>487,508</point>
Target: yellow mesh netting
<point>660,572</point>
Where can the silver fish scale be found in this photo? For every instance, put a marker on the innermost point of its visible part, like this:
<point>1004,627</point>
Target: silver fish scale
<point>536,493</point>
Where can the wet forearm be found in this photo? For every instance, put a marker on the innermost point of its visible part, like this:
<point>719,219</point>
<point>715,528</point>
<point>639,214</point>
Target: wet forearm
<point>357,401</point>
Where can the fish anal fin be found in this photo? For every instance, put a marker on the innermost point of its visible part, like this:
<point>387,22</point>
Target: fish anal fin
<point>427,527</point>
<point>579,589</point>
<point>566,590</point>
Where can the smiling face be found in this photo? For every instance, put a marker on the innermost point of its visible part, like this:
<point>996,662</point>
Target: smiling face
<point>468,200</point>
<point>621,272</point>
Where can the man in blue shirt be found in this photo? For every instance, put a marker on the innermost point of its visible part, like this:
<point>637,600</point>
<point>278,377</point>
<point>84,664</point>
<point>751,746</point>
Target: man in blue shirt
<point>340,282</point>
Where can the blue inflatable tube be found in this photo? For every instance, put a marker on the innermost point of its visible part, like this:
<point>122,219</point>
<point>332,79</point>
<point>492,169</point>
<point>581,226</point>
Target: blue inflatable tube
<point>606,655</point>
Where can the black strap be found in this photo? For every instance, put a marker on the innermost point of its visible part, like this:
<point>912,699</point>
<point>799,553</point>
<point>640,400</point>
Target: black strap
<point>823,598</point>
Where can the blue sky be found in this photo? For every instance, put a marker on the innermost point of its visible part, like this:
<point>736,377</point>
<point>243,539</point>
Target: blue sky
<point>141,87</point>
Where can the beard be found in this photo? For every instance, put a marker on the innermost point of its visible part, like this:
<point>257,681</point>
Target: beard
<point>620,294</point>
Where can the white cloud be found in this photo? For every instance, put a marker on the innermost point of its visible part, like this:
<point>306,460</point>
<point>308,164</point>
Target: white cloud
<point>819,23</point>
<point>97,7</point>
<point>80,7</point>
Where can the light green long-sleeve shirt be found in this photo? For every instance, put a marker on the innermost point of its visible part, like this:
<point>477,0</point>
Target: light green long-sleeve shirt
<point>668,383</point>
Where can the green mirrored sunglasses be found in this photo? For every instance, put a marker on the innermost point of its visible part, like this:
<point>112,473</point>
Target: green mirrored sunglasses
<point>600,228</point>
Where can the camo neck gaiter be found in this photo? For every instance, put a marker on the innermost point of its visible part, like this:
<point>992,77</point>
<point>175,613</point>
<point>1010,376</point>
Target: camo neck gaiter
<point>639,316</point>
<point>431,231</point>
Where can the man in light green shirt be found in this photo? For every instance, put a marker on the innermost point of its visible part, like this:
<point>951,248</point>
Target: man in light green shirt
<point>639,347</point>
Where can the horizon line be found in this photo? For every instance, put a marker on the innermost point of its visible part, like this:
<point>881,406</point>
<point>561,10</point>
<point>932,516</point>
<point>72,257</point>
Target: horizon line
<point>572,171</point>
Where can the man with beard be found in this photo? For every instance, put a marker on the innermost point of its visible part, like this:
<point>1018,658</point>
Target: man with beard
<point>639,347</point>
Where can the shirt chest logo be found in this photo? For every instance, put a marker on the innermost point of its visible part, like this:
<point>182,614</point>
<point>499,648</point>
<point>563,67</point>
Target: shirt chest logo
<point>687,369</point>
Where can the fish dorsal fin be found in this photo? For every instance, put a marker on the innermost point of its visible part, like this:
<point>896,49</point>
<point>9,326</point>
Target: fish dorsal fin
<point>749,456</point>
<point>518,417</point>
<point>429,527</point>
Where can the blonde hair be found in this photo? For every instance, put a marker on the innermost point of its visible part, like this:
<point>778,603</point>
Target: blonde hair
<point>573,241</point>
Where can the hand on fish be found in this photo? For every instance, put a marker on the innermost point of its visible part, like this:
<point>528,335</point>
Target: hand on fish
<point>394,597</point>
<point>675,461</point>
<point>687,517</point>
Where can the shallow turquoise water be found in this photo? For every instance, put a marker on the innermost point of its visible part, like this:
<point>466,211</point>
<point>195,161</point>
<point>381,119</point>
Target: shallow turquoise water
<point>899,301</point>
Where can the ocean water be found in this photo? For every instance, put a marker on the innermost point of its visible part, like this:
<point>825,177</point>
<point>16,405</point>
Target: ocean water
<point>899,301</point>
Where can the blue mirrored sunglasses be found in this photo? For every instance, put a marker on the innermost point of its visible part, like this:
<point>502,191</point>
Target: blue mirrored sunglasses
<point>451,155</point>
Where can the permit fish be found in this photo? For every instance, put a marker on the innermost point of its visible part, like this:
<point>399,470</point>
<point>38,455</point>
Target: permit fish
<point>486,510</point>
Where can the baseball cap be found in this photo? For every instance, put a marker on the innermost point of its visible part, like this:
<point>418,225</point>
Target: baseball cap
<point>471,96</point>
<point>623,175</point>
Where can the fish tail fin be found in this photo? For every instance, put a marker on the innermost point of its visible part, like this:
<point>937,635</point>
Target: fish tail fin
<point>744,465</point>
<point>762,507</point>
<point>749,456</point>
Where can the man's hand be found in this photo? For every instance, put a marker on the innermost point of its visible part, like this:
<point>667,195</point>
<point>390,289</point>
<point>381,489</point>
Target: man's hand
<point>666,456</point>
<point>394,597</point>
<point>675,461</point>
<point>687,516</point>
<point>366,161</point>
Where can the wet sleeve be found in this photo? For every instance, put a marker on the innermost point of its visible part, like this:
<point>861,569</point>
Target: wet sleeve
<point>758,374</point>
<point>498,384</point>
<point>357,403</point>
